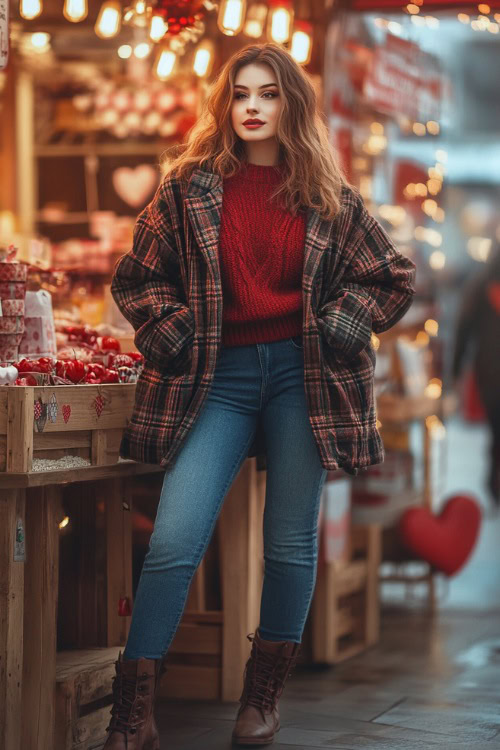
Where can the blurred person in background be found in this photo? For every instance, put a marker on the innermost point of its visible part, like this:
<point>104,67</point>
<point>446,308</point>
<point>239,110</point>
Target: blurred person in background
<point>477,336</point>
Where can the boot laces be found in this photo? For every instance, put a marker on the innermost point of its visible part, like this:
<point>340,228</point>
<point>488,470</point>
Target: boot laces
<point>264,678</point>
<point>128,710</point>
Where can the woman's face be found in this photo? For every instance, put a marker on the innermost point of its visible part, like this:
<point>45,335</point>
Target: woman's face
<point>256,97</point>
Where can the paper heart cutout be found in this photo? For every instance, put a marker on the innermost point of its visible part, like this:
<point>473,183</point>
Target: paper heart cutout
<point>134,186</point>
<point>446,540</point>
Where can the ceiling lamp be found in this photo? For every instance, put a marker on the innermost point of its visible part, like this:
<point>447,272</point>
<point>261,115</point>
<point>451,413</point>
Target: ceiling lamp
<point>231,16</point>
<point>279,21</point>
<point>30,9</point>
<point>75,10</point>
<point>302,42</point>
<point>137,14</point>
<point>203,58</point>
<point>255,20</point>
<point>158,28</point>
<point>165,64</point>
<point>109,20</point>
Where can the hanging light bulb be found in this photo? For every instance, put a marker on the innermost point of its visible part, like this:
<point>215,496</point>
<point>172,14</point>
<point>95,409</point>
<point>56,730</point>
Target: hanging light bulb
<point>279,21</point>
<point>203,58</point>
<point>158,28</point>
<point>302,42</point>
<point>30,9</point>
<point>138,14</point>
<point>255,20</point>
<point>75,10</point>
<point>231,15</point>
<point>165,64</point>
<point>109,20</point>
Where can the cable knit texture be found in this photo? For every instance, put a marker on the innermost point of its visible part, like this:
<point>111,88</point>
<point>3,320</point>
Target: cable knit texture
<point>261,253</point>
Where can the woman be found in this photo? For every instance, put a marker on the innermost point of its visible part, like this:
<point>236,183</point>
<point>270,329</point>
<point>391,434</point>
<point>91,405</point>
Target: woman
<point>255,280</point>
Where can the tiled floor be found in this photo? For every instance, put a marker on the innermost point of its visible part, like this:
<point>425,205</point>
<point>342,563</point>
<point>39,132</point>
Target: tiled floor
<point>429,683</point>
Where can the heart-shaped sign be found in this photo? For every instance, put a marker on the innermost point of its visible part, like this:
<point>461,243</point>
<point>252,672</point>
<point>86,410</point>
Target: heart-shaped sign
<point>134,186</point>
<point>445,541</point>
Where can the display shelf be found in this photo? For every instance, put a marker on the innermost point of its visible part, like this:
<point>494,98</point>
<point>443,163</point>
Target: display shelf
<point>49,422</point>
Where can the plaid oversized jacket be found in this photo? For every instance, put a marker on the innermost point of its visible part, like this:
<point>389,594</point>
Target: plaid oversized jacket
<point>168,286</point>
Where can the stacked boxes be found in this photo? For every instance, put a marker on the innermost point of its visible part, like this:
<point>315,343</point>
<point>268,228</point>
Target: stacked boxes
<point>12,293</point>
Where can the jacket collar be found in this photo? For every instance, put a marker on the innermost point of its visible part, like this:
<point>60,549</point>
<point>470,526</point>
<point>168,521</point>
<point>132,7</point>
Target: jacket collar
<point>202,180</point>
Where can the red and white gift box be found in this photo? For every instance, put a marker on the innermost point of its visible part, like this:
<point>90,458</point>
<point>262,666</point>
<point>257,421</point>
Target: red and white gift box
<point>10,307</point>
<point>39,334</point>
<point>12,289</point>
<point>9,346</point>
<point>12,324</point>
<point>12,271</point>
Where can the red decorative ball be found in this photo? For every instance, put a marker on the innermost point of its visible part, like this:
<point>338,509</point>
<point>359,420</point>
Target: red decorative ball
<point>179,14</point>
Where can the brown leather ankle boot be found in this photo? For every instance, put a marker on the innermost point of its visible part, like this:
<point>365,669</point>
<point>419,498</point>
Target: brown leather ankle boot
<point>132,725</point>
<point>266,672</point>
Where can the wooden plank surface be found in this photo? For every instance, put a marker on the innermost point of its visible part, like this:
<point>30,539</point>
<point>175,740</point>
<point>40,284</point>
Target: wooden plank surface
<point>12,508</point>
<point>85,474</point>
<point>83,407</point>
<point>118,510</point>
<point>40,622</point>
<point>19,430</point>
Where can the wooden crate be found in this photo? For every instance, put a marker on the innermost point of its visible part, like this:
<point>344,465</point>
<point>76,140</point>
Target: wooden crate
<point>56,421</point>
<point>83,697</point>
<point>344,617</point>
<point>194,660</point>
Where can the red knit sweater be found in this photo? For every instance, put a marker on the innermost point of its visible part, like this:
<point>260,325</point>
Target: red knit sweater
<point>261,252</point>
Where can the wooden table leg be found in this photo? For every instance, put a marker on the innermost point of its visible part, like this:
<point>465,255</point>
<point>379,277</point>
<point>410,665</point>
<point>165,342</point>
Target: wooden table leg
<point>118,508</point>
<point>12,512</point>
<point>40,622</point>
<point>242,567</point>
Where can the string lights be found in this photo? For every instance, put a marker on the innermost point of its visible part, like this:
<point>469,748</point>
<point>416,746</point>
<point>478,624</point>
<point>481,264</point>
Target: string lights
<point>173,23</point>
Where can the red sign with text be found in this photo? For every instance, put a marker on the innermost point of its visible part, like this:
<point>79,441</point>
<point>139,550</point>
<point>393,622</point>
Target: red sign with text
<point>403,80</point>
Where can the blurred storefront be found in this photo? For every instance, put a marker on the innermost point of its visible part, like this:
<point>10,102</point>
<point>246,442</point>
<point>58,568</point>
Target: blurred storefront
<point>408,99</point>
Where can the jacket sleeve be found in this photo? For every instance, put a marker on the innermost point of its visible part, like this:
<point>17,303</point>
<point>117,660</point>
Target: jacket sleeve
<point>146,287</point>
<point>376,288</point>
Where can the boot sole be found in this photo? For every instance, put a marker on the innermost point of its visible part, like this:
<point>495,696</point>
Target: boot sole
<point>249,741</point>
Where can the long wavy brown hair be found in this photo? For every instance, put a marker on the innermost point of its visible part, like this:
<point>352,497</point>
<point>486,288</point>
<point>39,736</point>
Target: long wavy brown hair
<point>312,176</point>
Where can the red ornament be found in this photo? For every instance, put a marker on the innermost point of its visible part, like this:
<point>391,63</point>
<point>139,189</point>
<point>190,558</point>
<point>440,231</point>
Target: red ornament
<point>179,14</point>
<point>124,608</point>
<point>445,541</point>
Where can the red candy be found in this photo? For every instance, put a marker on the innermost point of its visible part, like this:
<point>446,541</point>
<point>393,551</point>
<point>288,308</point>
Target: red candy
<point>108,343</point>
<point>28,380</point>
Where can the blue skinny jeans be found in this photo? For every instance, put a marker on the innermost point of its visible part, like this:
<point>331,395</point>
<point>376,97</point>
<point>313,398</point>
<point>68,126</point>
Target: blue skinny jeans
<point>260,381</point>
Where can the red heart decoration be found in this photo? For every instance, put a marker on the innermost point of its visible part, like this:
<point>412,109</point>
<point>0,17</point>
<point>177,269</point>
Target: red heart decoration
<point>66,412</point>
<point>445,541</point>
<point>124,608</point>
